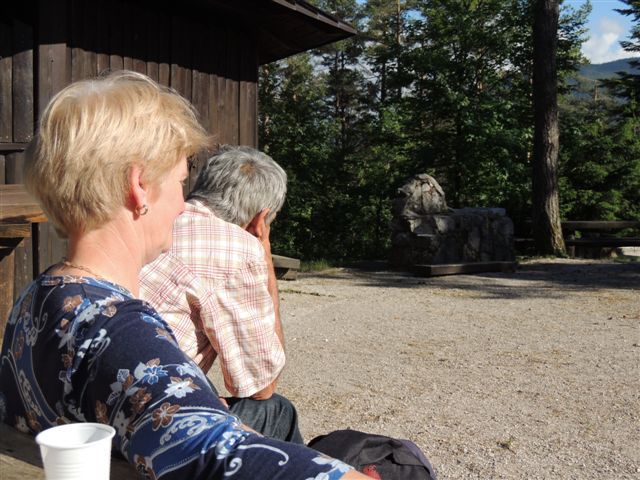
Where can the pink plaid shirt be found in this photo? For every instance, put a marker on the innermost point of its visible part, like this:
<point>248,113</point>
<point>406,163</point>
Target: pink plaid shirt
<point>211,288</point>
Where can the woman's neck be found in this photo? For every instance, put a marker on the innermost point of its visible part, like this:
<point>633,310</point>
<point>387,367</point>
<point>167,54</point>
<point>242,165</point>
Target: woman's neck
<point>110,252</point>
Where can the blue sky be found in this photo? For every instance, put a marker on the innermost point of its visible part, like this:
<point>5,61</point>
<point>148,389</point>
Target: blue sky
<point>606,28</point>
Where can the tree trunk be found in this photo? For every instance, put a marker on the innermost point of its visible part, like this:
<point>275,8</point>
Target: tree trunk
<point>398,48</point>
<point>547,230</point>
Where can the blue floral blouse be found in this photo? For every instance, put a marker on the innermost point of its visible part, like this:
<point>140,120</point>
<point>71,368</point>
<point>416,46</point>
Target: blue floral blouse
<point>78,349</point>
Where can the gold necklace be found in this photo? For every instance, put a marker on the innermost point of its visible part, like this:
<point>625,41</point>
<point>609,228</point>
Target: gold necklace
<point>67,263</point>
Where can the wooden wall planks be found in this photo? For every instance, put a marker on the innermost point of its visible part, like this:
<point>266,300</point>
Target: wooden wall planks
<point>22,82</point>
<point>6,82</point>
<point>54,73</point>
<point>248,91</point>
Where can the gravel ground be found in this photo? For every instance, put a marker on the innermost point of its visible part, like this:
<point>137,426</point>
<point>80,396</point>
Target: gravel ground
<point>533,374</point>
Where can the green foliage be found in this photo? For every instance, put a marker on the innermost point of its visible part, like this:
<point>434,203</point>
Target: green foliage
<point>442,87</point>
<point>469,99</point>
<point>627,85</point>
<point>600,165</point>
<point>600,143</point>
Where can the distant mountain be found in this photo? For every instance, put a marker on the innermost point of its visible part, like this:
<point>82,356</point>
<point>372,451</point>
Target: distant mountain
<point>607,70</point>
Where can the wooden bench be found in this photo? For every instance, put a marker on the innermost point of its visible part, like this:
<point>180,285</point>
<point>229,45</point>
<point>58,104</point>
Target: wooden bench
<point>595,234</point>
<point>20,458</point>
<point>286,268</point>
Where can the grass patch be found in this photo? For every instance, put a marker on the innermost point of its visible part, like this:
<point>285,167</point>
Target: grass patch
<point>316,266</point>
<point>530,258</point>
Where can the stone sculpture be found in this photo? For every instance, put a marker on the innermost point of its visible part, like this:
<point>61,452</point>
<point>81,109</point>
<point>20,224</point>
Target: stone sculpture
<point>426,231</point>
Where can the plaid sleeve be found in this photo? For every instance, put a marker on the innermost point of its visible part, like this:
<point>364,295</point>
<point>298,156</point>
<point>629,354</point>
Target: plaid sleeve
<point>242,329</point>
<point>168,284</point>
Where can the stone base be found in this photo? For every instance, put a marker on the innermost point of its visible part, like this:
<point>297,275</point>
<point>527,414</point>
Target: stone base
<point>463,235</point>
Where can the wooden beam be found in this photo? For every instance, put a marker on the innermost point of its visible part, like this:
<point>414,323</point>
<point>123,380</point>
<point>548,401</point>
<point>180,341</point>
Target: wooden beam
<point>15,230</point>
<point>13,147</point>
<point>604,242</point>
<point>18,206</point>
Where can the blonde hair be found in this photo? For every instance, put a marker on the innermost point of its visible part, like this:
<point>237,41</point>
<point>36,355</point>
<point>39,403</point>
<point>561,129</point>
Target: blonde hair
<point>90,136</point>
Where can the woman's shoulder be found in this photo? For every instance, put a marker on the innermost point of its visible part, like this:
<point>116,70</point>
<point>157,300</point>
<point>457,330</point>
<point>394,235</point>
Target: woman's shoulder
<point>83,308</point>
<point>91,285</point>
<point>89,297</point>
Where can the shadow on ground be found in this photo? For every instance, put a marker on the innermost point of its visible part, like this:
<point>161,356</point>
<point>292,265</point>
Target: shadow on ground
<point>549,278</point>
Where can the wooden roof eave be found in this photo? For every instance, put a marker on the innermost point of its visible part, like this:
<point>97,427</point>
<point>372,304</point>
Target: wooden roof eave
<point>315,28</point>
<point>283,27</point>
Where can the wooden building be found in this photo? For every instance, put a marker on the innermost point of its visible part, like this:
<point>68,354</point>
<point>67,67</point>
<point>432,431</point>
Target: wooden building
<point>208,50</point>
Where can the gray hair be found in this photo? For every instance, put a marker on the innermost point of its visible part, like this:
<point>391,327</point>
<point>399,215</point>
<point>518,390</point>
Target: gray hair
<point>238,182</point>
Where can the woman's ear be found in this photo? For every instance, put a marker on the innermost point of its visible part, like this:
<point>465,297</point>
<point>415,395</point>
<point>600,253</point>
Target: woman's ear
<point>138,189</point>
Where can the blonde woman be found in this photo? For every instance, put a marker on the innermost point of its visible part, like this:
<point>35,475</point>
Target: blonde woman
<point>108,165</point>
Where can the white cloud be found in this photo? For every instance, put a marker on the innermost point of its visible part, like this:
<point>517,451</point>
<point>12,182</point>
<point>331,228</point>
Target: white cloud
<point>603,44</point>
<point>609,25</point>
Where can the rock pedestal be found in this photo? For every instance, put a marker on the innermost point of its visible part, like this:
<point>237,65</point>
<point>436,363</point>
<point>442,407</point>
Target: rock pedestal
<point>426,231</point>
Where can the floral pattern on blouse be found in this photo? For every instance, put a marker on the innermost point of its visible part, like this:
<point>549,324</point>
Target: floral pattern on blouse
<point>79,349</point>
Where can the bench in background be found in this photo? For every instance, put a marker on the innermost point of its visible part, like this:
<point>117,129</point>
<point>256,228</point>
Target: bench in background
<point>594,234</point>
<point>286,268</point>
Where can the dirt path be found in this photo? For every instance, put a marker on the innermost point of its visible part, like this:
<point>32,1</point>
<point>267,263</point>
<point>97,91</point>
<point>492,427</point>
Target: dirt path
<point>533,374</point>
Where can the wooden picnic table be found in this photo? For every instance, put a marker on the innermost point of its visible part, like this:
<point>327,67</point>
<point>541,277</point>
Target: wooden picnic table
<point>19,215</point>
<point>599,233</point>
<point>20,458</point>
<point>594,234</point>
<point>18,211</point>
<point>594,225</point>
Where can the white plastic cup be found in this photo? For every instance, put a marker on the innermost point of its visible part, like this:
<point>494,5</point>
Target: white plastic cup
<point>76,451</point>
